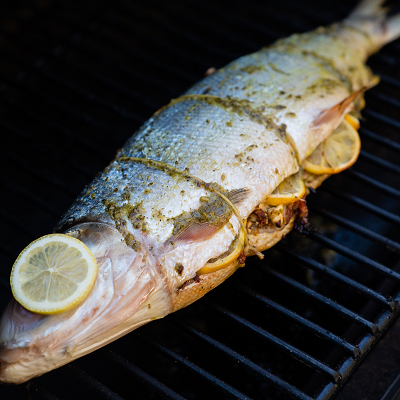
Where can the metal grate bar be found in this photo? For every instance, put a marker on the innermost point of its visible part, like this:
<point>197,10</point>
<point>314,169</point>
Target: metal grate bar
<point>355,256</point>
<point>95,386</point>
<point>367,233</point>
<point>386,99</point>
<point>238,358</point>
<point>389,80</point>
<point>373,182</point>
<point>358,287</point>
<point>382,118</point>
<point>380,212</point>
<point>142,376</point>
<point>385,58</point>
<point>353,351</point>
<point>381,162</point>
<point>203,374</point>
<point>315,296</point>
<point>285,347</point>
<point>380,139</point>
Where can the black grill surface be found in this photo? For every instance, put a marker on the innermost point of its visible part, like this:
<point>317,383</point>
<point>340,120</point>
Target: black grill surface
<point>77,78</point>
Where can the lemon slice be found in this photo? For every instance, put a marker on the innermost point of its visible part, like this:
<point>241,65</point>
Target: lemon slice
<point>353,121</point>
<point>289,191</point>
<point>232,254</point>
<point>53,274</point>
<point>336,153</point>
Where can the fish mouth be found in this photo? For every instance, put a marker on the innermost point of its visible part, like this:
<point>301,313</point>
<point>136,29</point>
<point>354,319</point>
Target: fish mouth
<point>128,292</point>
<point>19,363</point>
<point>15,362</point>
<point>18,354</point>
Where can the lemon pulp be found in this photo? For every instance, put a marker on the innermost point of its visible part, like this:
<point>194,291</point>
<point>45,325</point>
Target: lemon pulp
<point>336,153</point>
<point>53,274</point>
<point>289,191</point>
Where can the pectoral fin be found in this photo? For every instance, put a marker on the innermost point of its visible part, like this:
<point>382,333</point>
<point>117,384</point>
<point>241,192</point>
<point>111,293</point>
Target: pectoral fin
<point>205,222</point>
<point>196,232</point>
<point>334,115</point>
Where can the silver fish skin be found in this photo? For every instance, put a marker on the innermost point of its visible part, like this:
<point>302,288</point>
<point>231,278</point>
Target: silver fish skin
<point>240,131</point>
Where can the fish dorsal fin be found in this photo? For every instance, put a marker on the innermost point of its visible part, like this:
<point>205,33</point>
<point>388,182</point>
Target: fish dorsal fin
<point>335,114</point>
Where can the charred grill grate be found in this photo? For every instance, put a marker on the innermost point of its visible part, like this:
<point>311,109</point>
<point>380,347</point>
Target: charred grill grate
<point>77,79</point>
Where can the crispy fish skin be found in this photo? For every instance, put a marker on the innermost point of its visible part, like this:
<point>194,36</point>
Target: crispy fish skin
<point>151,227</point>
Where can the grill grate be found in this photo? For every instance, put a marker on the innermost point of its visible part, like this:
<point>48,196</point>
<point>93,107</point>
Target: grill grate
<point>77,78</point>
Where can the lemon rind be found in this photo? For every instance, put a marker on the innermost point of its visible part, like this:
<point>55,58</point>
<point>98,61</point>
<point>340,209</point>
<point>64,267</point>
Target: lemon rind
<point>277,199</point>
<point>46,307</point>
<point>226,261</point>
<point>319,169</point>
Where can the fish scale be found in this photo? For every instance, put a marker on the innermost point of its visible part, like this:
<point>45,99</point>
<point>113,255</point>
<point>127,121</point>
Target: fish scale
<point>190,134</point>
<point>294,80</point>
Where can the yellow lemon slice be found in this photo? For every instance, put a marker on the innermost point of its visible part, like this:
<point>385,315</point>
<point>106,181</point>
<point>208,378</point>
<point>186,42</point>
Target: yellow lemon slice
<point>53,274</point>
<point>336,153</point>
<point>353,121</point>
<point>227,258</point>
<point>289,191</point>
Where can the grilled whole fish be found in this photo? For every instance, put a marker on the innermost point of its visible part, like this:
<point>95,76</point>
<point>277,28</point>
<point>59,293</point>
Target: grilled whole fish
<point>172,200</point>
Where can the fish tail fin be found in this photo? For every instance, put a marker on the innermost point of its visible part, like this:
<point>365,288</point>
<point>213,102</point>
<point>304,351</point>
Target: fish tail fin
<point>369,8</point>
<point>371,17</point>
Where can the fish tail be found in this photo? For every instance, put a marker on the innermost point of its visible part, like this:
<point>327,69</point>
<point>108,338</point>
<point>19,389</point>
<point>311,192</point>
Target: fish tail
<point>371,17</point>
<point>369,8</point>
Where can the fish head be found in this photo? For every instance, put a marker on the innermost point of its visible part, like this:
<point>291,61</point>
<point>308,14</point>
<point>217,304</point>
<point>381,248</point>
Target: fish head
<point>127,278</point>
